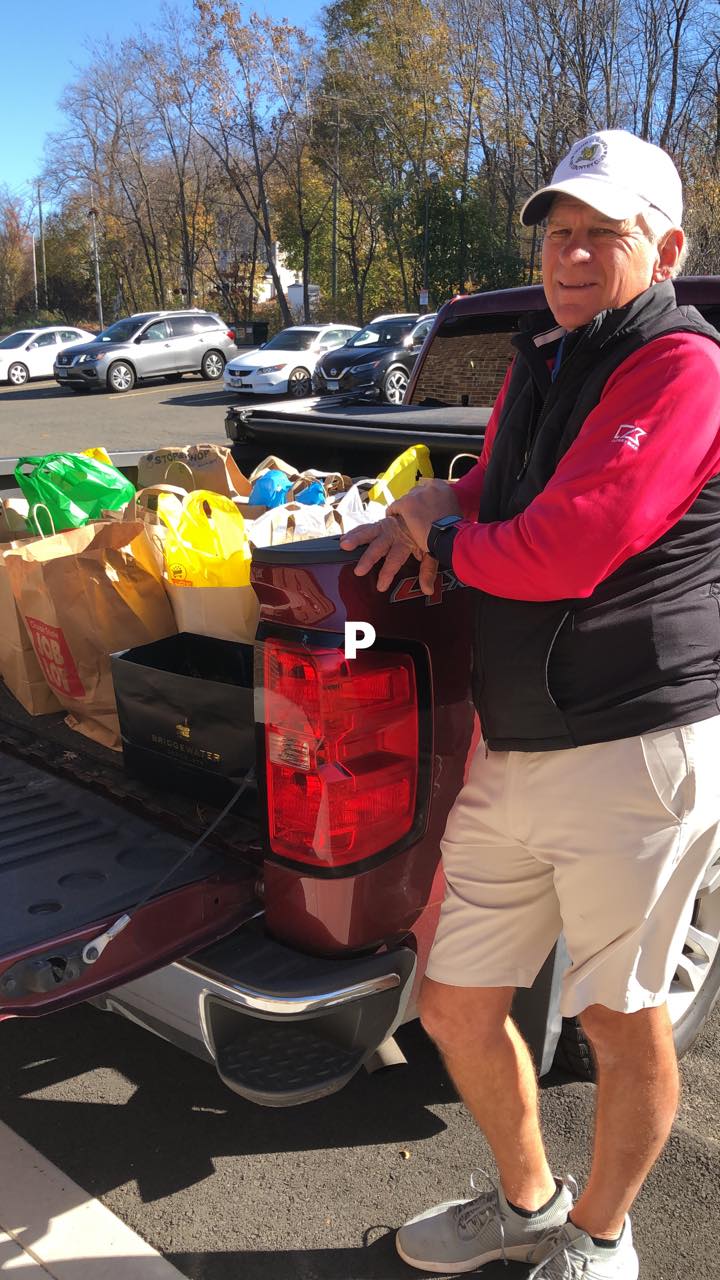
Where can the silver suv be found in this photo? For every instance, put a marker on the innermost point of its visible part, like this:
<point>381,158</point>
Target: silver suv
<point>150,344</point>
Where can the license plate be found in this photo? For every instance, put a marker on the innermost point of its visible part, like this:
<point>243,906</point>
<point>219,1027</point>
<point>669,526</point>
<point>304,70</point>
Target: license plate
<point>333,384</point>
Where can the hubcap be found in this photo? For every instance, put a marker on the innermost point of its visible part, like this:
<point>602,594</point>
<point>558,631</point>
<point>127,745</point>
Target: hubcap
<point>395,387</point>
<point>213,366</point>
<point>701,946</point>
<point>299,384</point>
<point>121,377</point>
<point>18,375</point>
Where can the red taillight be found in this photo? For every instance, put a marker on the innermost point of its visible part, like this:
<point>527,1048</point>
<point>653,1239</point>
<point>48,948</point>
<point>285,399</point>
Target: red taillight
<point>231,334</point>
<point>341,749</point>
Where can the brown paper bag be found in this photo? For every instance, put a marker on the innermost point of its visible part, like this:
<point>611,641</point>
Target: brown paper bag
<point>19,666</point>
<point>226,613</point>
<point>194,466</point>
<point>83,594</point>
<point>13,518</point>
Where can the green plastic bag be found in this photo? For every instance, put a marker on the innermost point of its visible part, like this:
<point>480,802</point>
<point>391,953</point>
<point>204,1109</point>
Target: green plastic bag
<point>66,490</point>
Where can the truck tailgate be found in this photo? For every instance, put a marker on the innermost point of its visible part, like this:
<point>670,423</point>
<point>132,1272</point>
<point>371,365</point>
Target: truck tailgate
<point>73,859</point>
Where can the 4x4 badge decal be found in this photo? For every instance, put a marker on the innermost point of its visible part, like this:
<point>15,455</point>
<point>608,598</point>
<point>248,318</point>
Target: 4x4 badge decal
<point>409,588</point>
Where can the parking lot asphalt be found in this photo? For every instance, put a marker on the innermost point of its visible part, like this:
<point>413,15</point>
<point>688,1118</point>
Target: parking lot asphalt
<point>226,1189</point>
<point>42,417</point>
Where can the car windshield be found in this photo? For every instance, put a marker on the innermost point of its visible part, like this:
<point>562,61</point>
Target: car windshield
<point>381,335</point>
<point>292,340</point>
<point>16,339</point>
<point>121,331</point>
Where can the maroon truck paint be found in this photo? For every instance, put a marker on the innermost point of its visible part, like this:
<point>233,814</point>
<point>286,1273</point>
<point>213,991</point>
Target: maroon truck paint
<point>381,905</point>
<point>161,931</point>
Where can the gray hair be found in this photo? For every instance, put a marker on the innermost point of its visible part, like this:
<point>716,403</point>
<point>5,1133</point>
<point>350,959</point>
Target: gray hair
<point>656,225</point>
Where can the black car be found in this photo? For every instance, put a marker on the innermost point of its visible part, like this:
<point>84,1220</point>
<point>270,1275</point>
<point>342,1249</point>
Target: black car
<point>376,361</point>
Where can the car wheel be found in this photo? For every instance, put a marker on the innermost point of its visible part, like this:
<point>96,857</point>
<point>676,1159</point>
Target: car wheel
<point>213,363</point>
<point>693,993</point>
<point>299,383</point>
<point>18,374</point>
<point>120,377</point>
<point>394,386</point>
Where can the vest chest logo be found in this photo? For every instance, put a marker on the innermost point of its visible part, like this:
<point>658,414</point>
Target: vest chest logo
<point>629,435</point>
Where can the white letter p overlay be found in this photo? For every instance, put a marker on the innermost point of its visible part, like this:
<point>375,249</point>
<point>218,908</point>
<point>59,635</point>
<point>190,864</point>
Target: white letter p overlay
<point>358,635</point>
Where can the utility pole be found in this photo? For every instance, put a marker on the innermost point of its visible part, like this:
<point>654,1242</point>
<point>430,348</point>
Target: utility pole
<point>92,215</point>
<point>42,249</point>
<point>334,255</point>
<point>34,262</point>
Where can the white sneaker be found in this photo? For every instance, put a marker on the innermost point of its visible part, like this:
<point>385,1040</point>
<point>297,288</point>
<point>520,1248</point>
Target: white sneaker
<point>461,1235</point>
<point>569,1253</point>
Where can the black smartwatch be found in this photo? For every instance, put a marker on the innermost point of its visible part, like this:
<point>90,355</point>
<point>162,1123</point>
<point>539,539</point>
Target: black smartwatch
<point>441,537</point>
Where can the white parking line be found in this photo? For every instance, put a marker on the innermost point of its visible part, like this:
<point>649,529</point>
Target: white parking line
<point>49,1226</point>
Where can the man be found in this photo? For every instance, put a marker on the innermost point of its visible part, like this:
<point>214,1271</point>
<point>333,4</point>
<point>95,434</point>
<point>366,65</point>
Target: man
<point>590,530</point>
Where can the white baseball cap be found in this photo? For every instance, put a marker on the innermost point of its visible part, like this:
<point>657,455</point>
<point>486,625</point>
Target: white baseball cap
<point>616,173</point>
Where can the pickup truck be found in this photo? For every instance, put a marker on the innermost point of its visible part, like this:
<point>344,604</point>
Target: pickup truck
<point>289,946</point>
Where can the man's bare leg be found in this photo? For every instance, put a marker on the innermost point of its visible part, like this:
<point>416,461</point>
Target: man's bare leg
<point>637,1098</point>
<point>493,1072</point>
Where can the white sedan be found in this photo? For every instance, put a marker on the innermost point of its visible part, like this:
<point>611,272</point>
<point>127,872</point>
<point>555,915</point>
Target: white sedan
<point>285,365</point>
<point>31,353</point>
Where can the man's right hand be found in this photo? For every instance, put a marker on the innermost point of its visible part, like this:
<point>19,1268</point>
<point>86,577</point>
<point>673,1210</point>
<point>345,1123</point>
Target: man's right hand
<point>387,540</point>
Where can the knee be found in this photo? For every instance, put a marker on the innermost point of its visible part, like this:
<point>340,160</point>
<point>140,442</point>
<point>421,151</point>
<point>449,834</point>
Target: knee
<point>454,1016</point>
<point>616,1036</point>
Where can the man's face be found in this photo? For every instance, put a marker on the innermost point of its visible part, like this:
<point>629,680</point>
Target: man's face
<point>591,263</point>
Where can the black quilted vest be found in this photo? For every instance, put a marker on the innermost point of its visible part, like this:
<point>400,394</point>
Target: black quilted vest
<point>643,651</point>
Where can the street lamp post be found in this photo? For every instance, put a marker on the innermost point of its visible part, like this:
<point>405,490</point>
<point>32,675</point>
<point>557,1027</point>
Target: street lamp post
<point>92,215</point>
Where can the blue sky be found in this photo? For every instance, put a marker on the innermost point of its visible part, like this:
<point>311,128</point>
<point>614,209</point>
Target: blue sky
<point>43,47</point>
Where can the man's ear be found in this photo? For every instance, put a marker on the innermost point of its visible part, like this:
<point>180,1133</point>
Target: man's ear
<point>668,254</point>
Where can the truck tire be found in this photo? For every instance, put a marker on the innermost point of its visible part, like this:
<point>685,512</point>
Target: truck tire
<point>694,990</point>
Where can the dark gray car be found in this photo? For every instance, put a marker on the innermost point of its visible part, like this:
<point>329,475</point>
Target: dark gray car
<point>150,344</point>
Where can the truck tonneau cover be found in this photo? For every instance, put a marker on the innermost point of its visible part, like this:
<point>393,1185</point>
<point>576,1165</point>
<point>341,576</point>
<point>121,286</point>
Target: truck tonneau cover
<point>435,418</point>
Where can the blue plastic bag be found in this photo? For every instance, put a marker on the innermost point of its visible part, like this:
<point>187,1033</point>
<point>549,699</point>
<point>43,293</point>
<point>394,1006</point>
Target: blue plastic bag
<point>314,495</point>
<point>270,489</point>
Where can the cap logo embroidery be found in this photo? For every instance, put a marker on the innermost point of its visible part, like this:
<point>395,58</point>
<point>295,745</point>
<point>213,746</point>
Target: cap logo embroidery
<point>589,154</point>
<point>629,435</point>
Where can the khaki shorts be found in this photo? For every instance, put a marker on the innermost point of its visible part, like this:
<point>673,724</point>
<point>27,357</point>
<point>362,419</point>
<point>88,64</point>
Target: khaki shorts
<point>607,844</point>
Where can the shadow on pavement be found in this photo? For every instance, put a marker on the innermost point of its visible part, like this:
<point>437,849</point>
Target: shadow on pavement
<point>205,399</point>
<point>105,1142</point>
<point>45,391</point>
<point>376,1260</point>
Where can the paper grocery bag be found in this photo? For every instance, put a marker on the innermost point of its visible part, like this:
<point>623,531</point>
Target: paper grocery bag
<point>226,613</point>
<point>83,594</point>
<point>14,513</point>
<point>194,466</point>
<point>19,666</point>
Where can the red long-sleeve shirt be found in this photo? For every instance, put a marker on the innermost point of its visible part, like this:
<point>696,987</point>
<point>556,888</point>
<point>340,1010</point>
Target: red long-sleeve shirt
<point>639,461</point>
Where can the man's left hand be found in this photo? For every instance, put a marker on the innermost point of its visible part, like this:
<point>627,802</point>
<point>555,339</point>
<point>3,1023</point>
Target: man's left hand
<point>423,504</point>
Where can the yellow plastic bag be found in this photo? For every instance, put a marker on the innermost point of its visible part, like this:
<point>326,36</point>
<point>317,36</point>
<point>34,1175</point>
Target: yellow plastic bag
<point>402,475</point>
<point>98,453</point>
<point>205,543</point>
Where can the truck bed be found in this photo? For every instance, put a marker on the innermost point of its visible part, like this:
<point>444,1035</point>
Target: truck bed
<point>49,744</point>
